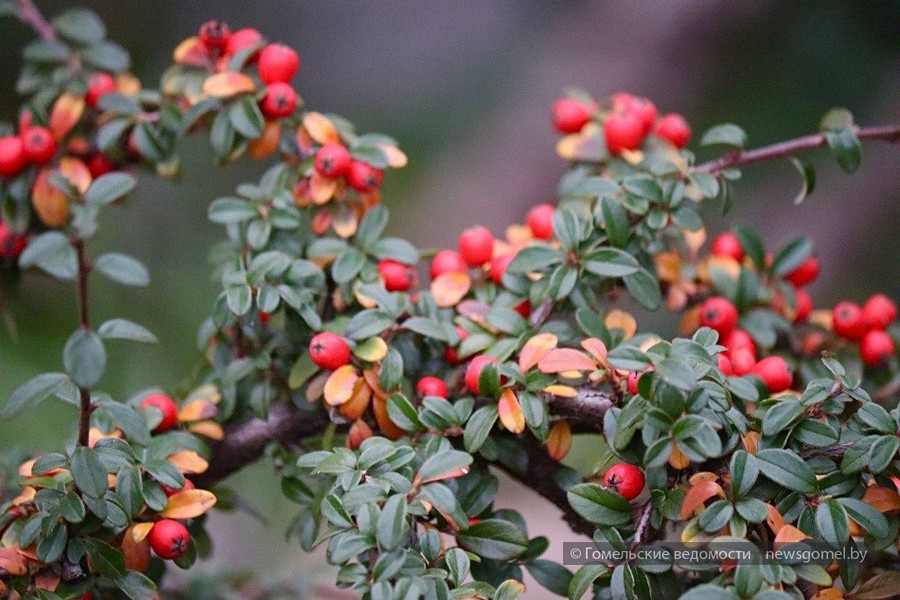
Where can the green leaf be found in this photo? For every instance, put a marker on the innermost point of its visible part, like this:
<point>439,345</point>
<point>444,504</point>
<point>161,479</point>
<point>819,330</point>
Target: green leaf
<point>728,134</point>
<point>615,221</point>
<point>845,148</point>
<point>876,417</point>
<point>584,579</point>
<point>107,56</point>
<point>372,226</point>
<point>231,209</point>
<point>882,452</point>
<point>831,521</point>
<point>348,265</point>
<point>246,118</point>
<point>809,179</point>
<point>123,269</point>
<point>458,563</point>
<point>403,413</point>
<point>644,288</point>
<point>744,471</point>
<point>239,298</point>
<point>47,51</point>
<point>50,548</point>
<point>786,468</point>
<point>551,575</point>
<point>716,516</point>
<point>611,262</point>
<point>108,188</point>
<point>84,358</point>
<point>108,561</point>
<point>494,538</point>
<point>867,517</point>
<point>628,358</point>
<point>71,508</point>
<point>132,423</point>
<point>80,25</point>
<point>31,393</point>
<point>791,256</point>
<point>599,505</point>
<point>882,586</point>
<point>372,155</point>
<point>123,329</point>
<point>396,249</point>
<point>836,118</point>
<point>509,590</point>
<point>392,527</point>
<point>52,253</point>
<point>479,427</point>
<point>535,257</point>
<point>781,415</point>
<point>137,586</point>
<point>88,472</point>
<point>443,463</point>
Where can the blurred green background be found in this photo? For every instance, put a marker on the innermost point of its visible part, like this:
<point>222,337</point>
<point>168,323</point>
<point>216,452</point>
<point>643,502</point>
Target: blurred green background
<point>466,88</point>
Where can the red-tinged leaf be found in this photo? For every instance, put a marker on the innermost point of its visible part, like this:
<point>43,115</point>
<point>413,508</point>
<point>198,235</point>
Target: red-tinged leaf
<point>789,535</point>
<point>192,52</point>
<point>189,462</point>
<point>697,495</point>
<point>510,411</point>
<point>267,143</point>
<point>566,359</point>
<point>535,349</point>
<point>559,441</point>
<point>189,504</point>
<point>340,385</point>
<point>12,561</point>
<point>321,188</point>
<point>197,410</point>
<point>387,427</point>
<point>66,112</point>
<point>320,128</point>
<point>226,85</point>
<point>595,348</point>
<point>49,203</point>
<point>449,288</point>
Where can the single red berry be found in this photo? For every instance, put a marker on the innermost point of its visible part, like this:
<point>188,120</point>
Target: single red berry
<point>719,314</point>
<point>432,386</point>
<point>623,132</point>
<point>38,144</point>
<point>633,378</point>
<point>499,265</point>
<point>277,62</point>
<point>879,311</point>
<point>87,596</point>
<point>724,364</point>
<point>214,34</point>
<point>739,339</point>
<point>627,480</point>
<point>166,406</point>
<point>188,485</point>
<point>280,100</point>
<point>804,305</point>
<point>876,347</point>
<point>332,160</point>
<point>570,115</point>
<point>473,371</point>
<point>99,84</point>
<point>447,261</point>
<point>728,244</point>
<point>264,317</point>
<point>451,353</point>
<point>806,273</point>
<point>742,361</point>
<point>540,221</point>
<point>398,277</point>
<point>476,245</point>
<point>645,111</point>
<point>99,165</point>
<point>848,321</point>
<point>12,156</point>
<point>11,243</point>
<point>363,177</point>
<point>674,129</point>
<point>774,372</point>
<point>169,539</point>
<point>523,308</point>
<point>242,38</point>
<point>329,350</point>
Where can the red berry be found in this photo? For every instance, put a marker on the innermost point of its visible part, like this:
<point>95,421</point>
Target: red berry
<point>11,243</point>
<point>12,156</point>
<point>280,100</point>
<point>499,266</point>
<point>774,372</point>
<point>188,485</point>
<point>876,347</point>
<point>806,273</point>
<point>166,406</point>
<point>724,364</point>
<point>633,378</point>
<point>523,308</point>
<point>740,339</point>
<point>623,132</point>
<point>87,596</point>
<point>719,314</point>
<point>848,321</point>
<point>214,34</point>
<point>332,160</point>
<point>432,386</point>
<point>99,84</point>
<point>398,277</point>
<point>540,221</point>
<point>476,245</point>
<point>645,111</point>
<point>742,361</point>
<point>264,317</point>
<point>473,371</point>
<point>804,305</point>
<point>39,146</point>
<point>99,165</point>
<point>240,39</point>
<point>879,311</point>
<point>450,353</point>
<point>447,261</point>
<point>329,350</point>
<point>363,177</point>
<point>627,480</point>
<point>277,62</point>
<point>728,244</point>
<point>674,129</point>
<point>169,539</point>
<point>570,115</point>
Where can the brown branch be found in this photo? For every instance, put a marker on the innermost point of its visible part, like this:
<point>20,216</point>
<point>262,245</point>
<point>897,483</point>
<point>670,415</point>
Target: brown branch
<point>833,451</point>
<point>81,284</point>
<point>642,527</point>
<point>29,14</point>
<point>888,133</point>
<point>589,406</point>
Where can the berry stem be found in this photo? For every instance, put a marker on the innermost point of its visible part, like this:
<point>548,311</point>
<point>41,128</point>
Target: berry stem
<point>888,133</point>
<point>29,14</point>
<point>84,268</point>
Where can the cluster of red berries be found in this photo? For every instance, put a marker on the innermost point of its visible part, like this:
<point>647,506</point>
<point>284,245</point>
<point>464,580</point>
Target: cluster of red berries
<point>625,125</point>
<point>866,325</point>
<point>334,161</point>
<point>34,145</point>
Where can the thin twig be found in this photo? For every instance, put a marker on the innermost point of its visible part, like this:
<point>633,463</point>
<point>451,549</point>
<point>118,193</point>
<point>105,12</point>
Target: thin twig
<point>642,527</point>
<point>84,318</point>
<point>888,133</point>
<point>29,14</point>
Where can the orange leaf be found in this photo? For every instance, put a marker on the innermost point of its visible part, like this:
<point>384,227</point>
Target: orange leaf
<point>345,221</point>
<point>668,266</point>
<point>209,429</point>
<point>829,594</point>
<point>566,359</point>
<point>51,205</point>
<point>559,441</point>
<point>340,385</point>
<point>46,580</point>
<point>385,425</point>
<point>359,432</point>
<point>449,288</point>
<point>587,146</point>
<point>595,348</point>
<point>225,85</point>
<point>723,264</point>
<point>396,157</point>
<point>751,442</point>
<point>789,534</point>
<point>372,379</point>
<point>563,391</point>
<point>191,52</point>
<point>353,408</point>
<point>619,319</point>
<point>511,414</point>
<point>774,518</point>
<point>882,499</point>
<point>136,552</point>
<point>67,111</point>
<point>12,561</point>
<point>702,476</point>
<point>140,531</point>
<point>189,462</point>
<point>189,504</point>
<point>320,128</point>
<point>267,143</point>
<point>697,495</point>
<point>535,349</point>
<point>321,188</point>
<point>197,410</point>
